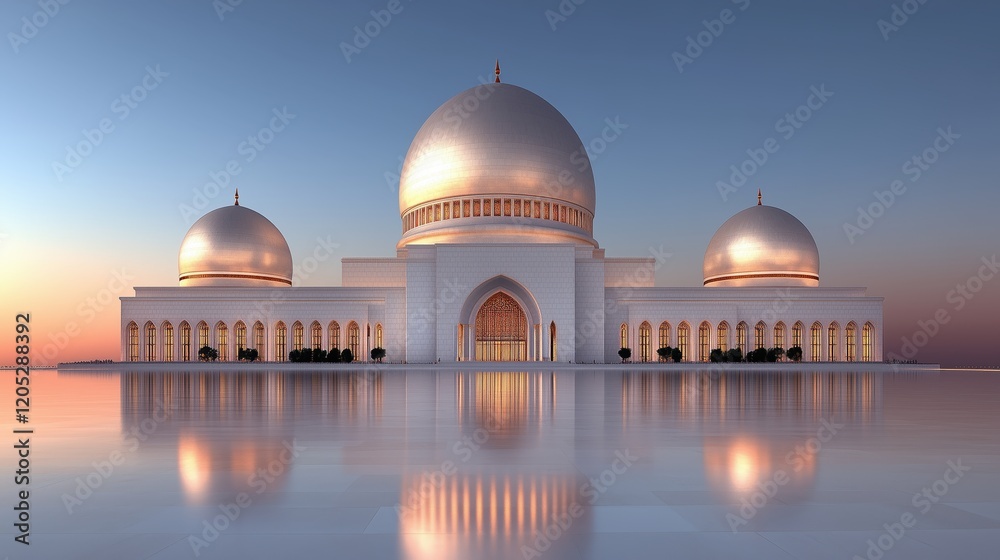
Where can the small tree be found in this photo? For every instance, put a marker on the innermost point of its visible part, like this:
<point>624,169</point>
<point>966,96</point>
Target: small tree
<point>208,354</point>
<point>241,354</point>
<point>717,355</point>
<point>771,356</point>
<point>347,356</point>
<point>625,354</point>
<point>794,353</point>
<point>306,355</point>
<point>676,354</point>
<point>734,355</point>
<point>377,354</point>
<point>252,355</point>
<point>319,355</point>
<point>295,356</point>
<point>664,353</point>
<point>333,355</point>
<point>779,353</point>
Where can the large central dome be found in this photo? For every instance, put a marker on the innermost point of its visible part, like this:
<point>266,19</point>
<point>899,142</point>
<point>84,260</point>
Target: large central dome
<point>497,163</point>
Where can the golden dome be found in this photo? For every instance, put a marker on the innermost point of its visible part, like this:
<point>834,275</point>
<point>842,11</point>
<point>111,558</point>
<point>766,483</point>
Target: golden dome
<point>505,147</point>
<point>234,246</point>
<point>762,246</point>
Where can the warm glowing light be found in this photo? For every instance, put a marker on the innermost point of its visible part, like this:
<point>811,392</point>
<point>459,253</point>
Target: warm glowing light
<point>194,464</point>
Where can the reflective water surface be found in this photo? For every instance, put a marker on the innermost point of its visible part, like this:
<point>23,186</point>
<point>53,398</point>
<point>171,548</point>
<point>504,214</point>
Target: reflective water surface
<point>555,464</point>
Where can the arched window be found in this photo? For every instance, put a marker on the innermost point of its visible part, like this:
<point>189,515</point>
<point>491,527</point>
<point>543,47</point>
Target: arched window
<point>779,335</point>
<point>133,342</point>
<point>378,335</point>
<point>501,330</point>
<point>833,333</point>
<point>683,336</point>
<point>316,336</point>
<point>868,342</point>
<point>150,354</point>
<point>202,335</point>
<point>552,341</point>
<point>354,338</point>
<point>704,340</point>
<point>664,334</point>
<point>624,336</point>
<point>815,332</point>
<point>222,340</point>
<point>168,341</point>
<point>185,341</point>
<point>797,334</point>
<point>258,339</point>
<point>758,335</point>
<point>723,336</point>
<point>851,341</point>
<point>741,337</point>
<point>645,341</point>
<point>241,335</point>
<point>333,330</point>
<point>297,334</point>
<point>280,339</point>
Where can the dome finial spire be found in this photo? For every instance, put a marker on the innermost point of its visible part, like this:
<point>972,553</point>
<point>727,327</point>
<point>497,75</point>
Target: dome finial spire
<point>758,196</point>
<point>237,196</point>
<point>497,71</point>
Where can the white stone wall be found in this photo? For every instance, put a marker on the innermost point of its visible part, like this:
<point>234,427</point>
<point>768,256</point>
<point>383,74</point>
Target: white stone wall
<point>374,272</point>
<point>588,335</point>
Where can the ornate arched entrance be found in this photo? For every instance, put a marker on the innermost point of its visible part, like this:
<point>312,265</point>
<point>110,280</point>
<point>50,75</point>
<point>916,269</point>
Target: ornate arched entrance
<point>501,330</point>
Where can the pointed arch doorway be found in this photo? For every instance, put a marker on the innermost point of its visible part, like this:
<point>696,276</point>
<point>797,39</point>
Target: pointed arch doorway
<point>501,330</point>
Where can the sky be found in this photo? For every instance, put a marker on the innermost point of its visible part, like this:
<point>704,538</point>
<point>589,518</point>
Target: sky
<point>123,122</point>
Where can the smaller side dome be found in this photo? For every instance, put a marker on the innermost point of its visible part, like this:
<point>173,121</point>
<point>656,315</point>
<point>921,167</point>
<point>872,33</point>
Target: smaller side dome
<point>762,246</point>
<point>234,246</point>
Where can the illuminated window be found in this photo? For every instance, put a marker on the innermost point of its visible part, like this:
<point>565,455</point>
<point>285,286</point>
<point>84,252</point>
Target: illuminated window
<point>501,330</point>
<point>297,335</point>
<point>496,207</point>
<point>333,331</point>
<point>150,342</point>
<point>779,335</point>
<point>683,334</point>
<point>476,207</point>
<point>833,333</point>
<point>465,209</point>
<point>797,334</point>
<point>546,211</point>
<point>851,342</point>
<point>723,336</point>
<point>447,210</point>
<point>552,341</point>
<point>241,335</point>
<point>202,335</point>
<point>868,342</point>
<point>645,337</point>
<point>316,335</point>
<point>538,209</point>
<point>280,339</point>
<point>258,339</point>
<point>664,334</point>
<point>378,335</point>
<point>354,338</point>
<point>816,345</point>
<point>185,341</point>
<point>758,335</point>
<point>168,342</point>
<point>133,342</point>
<point>517,207</point>
<point>222,336</point>
<point>704,336</point>
<point>624,333</point>
<point>741,337</point>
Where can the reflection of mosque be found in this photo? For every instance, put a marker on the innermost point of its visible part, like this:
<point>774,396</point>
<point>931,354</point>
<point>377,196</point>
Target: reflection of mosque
<point>537,436</point>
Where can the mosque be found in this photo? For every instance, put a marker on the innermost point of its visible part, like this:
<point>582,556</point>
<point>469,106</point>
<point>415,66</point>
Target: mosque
<point>498,262</point>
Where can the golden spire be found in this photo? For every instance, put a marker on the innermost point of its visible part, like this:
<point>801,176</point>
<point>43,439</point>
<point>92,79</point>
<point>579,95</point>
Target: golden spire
<point>497,71</point>
<point>237,197</point>
<point>758,197</point>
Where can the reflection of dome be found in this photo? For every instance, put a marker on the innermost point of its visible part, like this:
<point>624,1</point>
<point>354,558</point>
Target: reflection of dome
<point>762,246</point>
<point>234,246</point>
<point>502,142</point>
